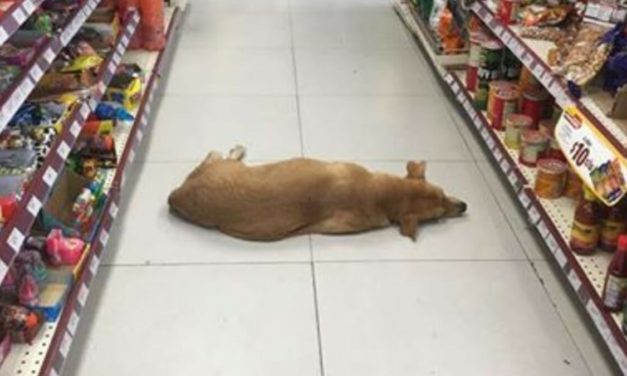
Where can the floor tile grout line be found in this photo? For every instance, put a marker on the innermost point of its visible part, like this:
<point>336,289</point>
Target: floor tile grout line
<point>296,86</point>
<point>378,160</point>
<point>308,262</point>
<point>312,266</point>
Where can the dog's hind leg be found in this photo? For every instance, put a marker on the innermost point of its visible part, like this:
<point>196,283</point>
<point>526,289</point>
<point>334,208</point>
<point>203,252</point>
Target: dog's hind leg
<point>237,153</point>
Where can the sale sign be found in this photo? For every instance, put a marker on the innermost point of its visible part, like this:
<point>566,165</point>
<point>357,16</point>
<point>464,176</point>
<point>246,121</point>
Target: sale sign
<point>599,165</point>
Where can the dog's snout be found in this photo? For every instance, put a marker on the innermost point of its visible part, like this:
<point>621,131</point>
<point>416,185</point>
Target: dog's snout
<point>462,207</point>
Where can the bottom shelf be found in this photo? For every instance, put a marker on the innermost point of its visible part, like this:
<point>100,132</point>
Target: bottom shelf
<point>553,220</point>
<point>47,353</point>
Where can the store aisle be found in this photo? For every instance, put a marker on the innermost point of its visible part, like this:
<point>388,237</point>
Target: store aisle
<point>334,79</point>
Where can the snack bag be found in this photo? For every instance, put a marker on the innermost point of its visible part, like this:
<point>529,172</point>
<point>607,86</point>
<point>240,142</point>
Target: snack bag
<point>152,24</point>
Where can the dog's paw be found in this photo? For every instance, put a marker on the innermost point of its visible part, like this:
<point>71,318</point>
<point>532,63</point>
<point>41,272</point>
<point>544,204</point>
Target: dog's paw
<point>237,153</point>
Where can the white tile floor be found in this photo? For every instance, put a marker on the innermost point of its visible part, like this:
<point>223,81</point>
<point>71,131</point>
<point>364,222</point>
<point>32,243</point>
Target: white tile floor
<point>337,79</point>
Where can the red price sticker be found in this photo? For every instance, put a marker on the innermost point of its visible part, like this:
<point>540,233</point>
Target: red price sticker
<point>599,165</point>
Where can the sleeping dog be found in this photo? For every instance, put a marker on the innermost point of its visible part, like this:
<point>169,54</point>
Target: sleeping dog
<point>303,196</point>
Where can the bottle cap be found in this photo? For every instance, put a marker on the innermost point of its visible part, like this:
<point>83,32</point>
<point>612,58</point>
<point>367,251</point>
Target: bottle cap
<point>622,243</point>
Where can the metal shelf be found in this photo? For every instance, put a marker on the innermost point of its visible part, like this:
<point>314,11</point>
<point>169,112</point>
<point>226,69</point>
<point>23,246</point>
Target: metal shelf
<point>553,220</point>
<point>20,89</point>
<point>15,16</point>
<point>47,354</point>
<point>12,235</point>
<point>532,53</point>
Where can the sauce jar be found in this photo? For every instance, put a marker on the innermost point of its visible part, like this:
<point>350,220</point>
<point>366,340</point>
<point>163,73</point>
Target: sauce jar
<point>550,178</point>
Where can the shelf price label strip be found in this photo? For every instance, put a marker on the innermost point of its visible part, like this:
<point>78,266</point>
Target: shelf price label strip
<point>60,344</point>
<point>43,181</point>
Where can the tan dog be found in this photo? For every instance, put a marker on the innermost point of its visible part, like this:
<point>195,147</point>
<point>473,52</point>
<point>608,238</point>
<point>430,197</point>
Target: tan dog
<point>300,196</point>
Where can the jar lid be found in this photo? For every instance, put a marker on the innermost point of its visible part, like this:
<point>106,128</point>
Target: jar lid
<point>533,136</point>
<point>552,166</point>
<point>519,120</point>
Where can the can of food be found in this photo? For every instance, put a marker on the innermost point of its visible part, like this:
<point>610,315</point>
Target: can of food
<point>533,144</point>
<point>547,127</point>
<point>493,87</point>
<point>514,125</point>
<point>534,105</point>
<point>574,186</point>
<point>550,178</point>
<point>474,56</point>
<point>505,102</point>
<point>511,66</point>
<point>507,11</point>
<point>527,82</point>
<point>490,59</point>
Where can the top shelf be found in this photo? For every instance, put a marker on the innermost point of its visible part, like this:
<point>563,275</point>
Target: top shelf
<point>15,16</point>
<point>595,103</point>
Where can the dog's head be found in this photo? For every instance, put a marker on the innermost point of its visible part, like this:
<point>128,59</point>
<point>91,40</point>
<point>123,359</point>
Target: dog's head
<point>426,201</point>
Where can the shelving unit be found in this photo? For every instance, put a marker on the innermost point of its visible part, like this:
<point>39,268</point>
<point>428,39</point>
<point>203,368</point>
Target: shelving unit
<point>20,89</point>
<point>551,218</point>
<point>13,233</point>
<point>47,353</point>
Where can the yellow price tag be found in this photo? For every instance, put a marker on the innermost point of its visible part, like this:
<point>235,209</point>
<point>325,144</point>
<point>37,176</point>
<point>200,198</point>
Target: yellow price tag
<point>597,162</point>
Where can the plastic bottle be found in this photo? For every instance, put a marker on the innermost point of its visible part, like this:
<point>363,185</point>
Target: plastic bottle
<point>152,24</point>
<point>585,233</point>
<point>613,224</point>
<point>616,278</point>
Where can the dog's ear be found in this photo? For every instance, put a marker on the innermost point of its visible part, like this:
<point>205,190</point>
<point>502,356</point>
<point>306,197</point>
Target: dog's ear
<point>416,170</point>
<point>409,226</point>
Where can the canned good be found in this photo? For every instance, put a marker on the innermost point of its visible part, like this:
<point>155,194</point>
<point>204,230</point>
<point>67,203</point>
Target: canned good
<point>511,66</point>
<point>507,11</point>
<point>550,178</point>
<point>490,59</point>
<point>533,144</point>
<point>527,82</point>
<point>534,104</point>
<point>514,125</point>
<point>474,57</point>
<point>493,87</point>
<point>574,185</point>
<point>505,102</point>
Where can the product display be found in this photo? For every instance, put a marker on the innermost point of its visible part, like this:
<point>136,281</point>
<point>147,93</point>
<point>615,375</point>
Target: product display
<point>529,65</point>
<point>71,110</point>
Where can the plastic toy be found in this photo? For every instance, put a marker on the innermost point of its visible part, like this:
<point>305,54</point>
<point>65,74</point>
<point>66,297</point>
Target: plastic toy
<point>83,207</point>
<point>62,250</point>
